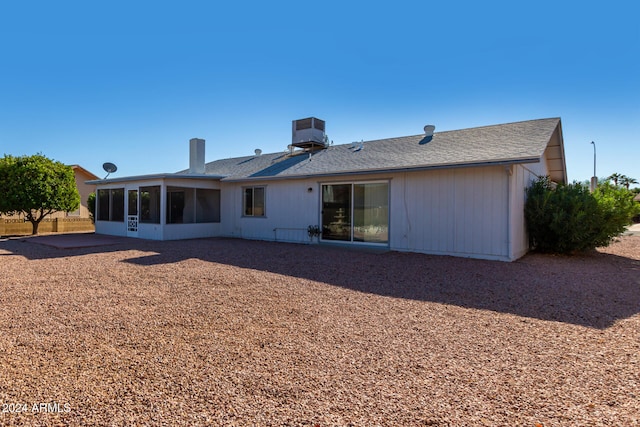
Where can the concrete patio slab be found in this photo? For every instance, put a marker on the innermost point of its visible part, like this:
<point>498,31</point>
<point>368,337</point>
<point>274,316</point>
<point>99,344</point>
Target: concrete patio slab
<point>76,240</point>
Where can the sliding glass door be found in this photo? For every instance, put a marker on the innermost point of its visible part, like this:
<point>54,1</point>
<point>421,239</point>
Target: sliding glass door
<point>336,212</point>
<point>356,212</point>
<point>371,212</point>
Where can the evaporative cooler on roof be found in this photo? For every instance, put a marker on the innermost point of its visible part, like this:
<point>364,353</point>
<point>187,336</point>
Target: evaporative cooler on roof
<point>308,133</point>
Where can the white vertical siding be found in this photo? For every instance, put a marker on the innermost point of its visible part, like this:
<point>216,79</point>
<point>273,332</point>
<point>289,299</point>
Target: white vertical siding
<point>290,209</point>
<point>461,212</point>
<point>472,212</point>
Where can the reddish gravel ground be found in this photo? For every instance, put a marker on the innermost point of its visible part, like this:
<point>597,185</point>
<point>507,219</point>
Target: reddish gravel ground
<point>231,332</point>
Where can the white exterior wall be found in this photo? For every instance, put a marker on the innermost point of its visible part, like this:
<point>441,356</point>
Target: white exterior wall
<point>473,212</point>
<point>190,231</point>
<point>290,209</point>
<point>111,228</point>
<point>460,212</point>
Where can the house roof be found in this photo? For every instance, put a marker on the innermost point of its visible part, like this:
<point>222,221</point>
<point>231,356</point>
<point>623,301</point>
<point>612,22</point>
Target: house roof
<point>521,142</point>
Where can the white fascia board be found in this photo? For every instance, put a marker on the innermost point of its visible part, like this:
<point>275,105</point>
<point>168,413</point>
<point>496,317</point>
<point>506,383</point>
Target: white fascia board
<point>151,177</point>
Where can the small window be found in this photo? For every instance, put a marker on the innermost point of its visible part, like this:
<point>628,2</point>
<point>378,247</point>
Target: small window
<point>254,201</point>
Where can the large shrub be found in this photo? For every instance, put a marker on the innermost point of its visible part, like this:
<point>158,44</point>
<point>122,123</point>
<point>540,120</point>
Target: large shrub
<point>569,218</point>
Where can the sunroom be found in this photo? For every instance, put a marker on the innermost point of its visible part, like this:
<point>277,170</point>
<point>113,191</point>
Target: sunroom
<point>159,207</point>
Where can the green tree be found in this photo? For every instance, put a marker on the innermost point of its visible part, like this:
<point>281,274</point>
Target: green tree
<point>626,181</point>
<point>615,177</point>
<point>569,218</point>
<point>36,186</point>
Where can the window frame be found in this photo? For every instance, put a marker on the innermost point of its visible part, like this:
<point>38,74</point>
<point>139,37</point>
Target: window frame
<point>253,189</point>
<point>109,210</point>
<point>352,221</point>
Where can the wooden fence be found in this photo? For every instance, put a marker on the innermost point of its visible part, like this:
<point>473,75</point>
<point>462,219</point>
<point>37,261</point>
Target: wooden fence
<point>20,227</point>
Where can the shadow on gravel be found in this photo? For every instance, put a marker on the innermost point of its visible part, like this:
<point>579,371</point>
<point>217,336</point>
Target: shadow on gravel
<point>593,290</point>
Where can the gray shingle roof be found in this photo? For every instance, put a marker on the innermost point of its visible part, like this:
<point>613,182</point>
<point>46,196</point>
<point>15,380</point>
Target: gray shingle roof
<point>504,143</point>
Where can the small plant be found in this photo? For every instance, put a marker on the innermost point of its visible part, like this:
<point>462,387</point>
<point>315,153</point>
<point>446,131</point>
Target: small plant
<point>313,231</point>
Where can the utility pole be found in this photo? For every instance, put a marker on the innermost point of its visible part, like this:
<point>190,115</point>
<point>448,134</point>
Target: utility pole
<point>594,178</point>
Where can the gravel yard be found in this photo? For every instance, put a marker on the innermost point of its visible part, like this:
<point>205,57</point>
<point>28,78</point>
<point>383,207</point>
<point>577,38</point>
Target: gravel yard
<point>232,332</point>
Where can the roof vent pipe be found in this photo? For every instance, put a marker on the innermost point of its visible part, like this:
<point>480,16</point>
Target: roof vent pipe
<point>428,134</point>
<point>196,156</point>
<point>428,130</point>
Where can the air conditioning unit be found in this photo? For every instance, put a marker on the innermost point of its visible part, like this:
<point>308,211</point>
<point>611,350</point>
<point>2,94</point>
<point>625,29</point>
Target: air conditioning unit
<point>308,133</point>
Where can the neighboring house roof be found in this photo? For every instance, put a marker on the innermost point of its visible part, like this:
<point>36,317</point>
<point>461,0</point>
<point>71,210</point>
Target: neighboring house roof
<point>84,171</point>
<point>521,142</point>
<point>637,198</point>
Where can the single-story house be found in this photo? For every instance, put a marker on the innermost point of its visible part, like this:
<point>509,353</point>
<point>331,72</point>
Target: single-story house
<point>459,193</point>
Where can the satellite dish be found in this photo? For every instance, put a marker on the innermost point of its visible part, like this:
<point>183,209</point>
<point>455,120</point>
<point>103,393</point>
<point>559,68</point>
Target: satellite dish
<point>109,168</point>
<point>257,151</point>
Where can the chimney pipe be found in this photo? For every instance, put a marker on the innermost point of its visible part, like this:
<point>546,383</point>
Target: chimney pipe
<point>196,156</point>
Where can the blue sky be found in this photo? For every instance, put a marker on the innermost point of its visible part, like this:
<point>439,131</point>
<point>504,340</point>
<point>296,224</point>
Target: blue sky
<point>131,82</point>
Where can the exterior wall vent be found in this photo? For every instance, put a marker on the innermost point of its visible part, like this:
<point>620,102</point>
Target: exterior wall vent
<point>309,133</point>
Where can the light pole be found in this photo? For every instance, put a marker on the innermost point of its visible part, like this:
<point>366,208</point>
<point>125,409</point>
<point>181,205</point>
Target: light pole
<point>594,178</point>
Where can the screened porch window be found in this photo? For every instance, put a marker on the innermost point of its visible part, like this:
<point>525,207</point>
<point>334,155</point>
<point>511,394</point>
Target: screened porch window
<point>150,204</point>
<point>192,205</point>
<point>111,204</point>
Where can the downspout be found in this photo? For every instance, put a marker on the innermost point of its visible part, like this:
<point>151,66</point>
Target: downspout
<point>406,212</point>
<point>509,170</point>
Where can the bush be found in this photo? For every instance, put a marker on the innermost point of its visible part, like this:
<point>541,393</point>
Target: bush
<point>568,218</point>
<point>91,206</point>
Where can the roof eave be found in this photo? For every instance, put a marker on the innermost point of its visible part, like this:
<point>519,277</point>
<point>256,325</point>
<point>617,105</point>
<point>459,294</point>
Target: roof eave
<point>86,172</point>
<point>388,170</point>
<point>152,177</point>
